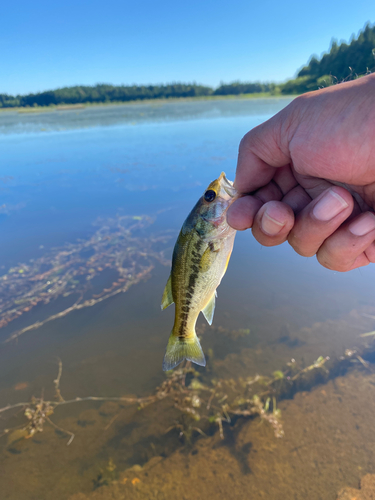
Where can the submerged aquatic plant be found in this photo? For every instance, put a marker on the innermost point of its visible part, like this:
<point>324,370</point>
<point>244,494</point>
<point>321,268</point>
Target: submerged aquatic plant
<point>106,475</point>
<point>201,403</point>
<point>117,244</point>
<point>38,411</point>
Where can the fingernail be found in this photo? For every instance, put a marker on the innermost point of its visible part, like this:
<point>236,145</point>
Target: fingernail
<point>329,206</point>
<point>363,225</point>
<point>270,225</point>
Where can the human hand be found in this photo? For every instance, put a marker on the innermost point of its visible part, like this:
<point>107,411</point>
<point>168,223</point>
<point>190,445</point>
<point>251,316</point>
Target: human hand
<point>292,164</point>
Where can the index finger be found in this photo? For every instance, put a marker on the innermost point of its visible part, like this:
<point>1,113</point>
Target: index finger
<point>261,152</point>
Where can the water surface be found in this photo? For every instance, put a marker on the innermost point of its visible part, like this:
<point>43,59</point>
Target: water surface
<point>63,175</point>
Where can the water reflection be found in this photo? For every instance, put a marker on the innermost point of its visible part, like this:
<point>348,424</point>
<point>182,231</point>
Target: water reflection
<point>273,306</point>
<point>31,121</point>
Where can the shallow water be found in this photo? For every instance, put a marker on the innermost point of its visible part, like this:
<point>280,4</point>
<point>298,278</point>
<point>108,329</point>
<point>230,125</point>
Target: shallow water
<point>61,171</point>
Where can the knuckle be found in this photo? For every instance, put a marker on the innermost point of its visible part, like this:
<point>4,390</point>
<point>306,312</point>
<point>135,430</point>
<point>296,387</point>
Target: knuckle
<point>245,142</point>
<point>370,253</point>
<point>332,263</point>
<point>267,240</point>
<point>299,246</point>
<point>371,259</point>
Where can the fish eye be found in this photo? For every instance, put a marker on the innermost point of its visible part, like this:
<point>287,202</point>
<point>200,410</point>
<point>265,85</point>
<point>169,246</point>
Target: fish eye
<point>210,195</point>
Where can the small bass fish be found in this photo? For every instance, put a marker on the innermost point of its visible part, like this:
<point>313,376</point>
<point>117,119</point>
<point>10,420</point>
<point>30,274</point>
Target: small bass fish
<point>200,259</point>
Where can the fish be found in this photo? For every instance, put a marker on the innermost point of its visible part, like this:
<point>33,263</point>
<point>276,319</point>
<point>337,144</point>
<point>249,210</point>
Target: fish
<point>200,260</point>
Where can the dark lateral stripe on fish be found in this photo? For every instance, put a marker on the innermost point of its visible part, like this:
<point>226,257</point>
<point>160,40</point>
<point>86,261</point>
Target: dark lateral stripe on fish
<point>186,308</point>
<point>192,279</point>
<point>190,289</point>
<point>181,330</point>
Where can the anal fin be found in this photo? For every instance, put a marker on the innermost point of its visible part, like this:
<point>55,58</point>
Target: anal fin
<point>208,311</point>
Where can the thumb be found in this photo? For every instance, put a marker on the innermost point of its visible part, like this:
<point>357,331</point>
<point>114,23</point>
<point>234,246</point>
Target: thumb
<point>262,151</point>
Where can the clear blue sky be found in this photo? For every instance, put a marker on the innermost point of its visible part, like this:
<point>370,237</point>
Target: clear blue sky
<point>50,44</point>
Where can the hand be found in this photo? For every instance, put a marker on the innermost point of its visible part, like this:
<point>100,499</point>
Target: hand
<point>311,173</point>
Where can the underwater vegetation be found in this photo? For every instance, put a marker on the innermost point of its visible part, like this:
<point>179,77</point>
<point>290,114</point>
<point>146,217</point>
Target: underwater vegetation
<point>117,244</point>
<point>204,405</point>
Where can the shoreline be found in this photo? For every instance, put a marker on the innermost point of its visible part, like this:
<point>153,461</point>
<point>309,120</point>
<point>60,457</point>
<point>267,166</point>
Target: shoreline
<point>161,101</point>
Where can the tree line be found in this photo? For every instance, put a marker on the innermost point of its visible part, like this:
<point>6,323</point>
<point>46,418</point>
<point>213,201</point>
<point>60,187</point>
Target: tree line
<point>104,93</point>
<point>343,61</point>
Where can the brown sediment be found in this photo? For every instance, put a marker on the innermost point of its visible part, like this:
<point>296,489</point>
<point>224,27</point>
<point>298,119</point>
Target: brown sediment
<point>328,443</point>
<point>366,491</point>
<point>311,461</point>
<point>21,386</point>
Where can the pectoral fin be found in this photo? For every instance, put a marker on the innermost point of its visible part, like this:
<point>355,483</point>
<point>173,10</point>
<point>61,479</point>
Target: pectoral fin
<point>167,299</point>
<point>208,258</point>
<point>208,311</point>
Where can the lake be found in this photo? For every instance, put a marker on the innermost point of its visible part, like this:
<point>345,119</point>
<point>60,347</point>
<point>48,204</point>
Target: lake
<point>91,203</point>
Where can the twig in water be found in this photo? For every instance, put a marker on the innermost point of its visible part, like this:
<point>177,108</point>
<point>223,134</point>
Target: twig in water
<point>111,421</point>
<point>57,381</point>
<point>72,435</point>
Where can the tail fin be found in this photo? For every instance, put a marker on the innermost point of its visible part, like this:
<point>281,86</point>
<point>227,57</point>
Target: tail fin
<point>179,349</point>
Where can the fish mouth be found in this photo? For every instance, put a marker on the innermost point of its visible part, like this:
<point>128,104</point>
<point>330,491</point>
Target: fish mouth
<point>227,185</point>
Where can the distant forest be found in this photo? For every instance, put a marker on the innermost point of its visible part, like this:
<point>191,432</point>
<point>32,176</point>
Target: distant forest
<point>104,93</point>
<point>342,62</point>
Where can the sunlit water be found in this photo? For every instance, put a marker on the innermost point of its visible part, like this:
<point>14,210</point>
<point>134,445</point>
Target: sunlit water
<point>62,170</point>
